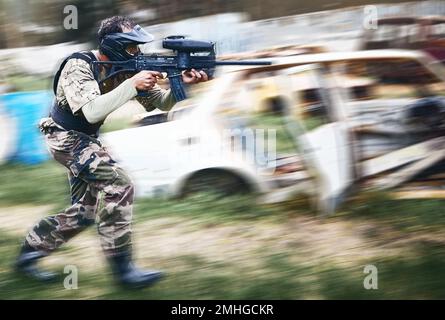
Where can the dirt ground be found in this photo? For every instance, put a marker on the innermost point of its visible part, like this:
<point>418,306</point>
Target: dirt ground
<point>306,241</point>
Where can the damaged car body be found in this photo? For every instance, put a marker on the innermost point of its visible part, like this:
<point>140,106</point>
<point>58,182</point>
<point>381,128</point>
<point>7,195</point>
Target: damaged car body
<point>348,121</point>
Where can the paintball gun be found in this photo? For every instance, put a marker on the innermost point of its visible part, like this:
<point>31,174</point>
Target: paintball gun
<point>189,54</point>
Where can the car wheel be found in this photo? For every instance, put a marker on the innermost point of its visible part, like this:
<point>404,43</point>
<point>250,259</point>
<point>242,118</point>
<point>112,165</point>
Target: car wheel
<point>220,182</point>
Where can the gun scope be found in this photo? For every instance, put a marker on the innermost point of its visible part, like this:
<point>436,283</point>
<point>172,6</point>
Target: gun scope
<point>180,43</point>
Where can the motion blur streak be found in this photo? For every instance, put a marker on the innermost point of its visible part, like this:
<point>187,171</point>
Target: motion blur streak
<point>320,176</point>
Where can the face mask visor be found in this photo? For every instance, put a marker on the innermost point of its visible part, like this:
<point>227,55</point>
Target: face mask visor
<point>133,49</point>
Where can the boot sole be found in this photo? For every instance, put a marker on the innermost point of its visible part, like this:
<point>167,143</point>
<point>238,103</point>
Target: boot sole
<point>142,285</point>
<point>52,278</point>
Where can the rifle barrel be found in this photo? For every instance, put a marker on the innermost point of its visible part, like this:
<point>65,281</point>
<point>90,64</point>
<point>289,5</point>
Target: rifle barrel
<point>242,63</point>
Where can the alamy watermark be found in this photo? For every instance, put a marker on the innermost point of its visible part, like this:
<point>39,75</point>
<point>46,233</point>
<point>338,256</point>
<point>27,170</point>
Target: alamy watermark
<point>370,17</point>
<point>255,148</point>
<point>70,281</point>
<point>71,20</point>
<point>371,280</point>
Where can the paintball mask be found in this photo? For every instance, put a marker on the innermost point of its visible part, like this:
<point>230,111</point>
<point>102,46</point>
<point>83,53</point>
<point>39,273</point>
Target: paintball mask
<point>124,45</point>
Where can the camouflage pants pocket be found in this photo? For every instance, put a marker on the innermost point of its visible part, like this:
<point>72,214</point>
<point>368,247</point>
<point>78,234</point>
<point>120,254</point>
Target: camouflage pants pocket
<point>87,156</point>
<point>60,145</point>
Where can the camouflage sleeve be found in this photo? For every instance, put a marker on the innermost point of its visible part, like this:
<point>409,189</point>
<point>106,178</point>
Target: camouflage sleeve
<point>157,98</point>
<point>77,84</point>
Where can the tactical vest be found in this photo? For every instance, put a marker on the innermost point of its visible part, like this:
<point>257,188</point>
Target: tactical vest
<point>65,117</point>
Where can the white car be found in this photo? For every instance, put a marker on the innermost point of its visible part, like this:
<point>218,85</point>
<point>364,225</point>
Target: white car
<point>350,117</point>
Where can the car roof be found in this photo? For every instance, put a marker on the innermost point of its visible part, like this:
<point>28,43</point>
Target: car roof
<point>350,55</point>
<point>275,51</point>
<point>333,57</point>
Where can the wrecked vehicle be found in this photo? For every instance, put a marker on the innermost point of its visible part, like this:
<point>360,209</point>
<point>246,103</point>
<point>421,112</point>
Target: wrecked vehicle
<point>426,33</point>
<point>347,124</point>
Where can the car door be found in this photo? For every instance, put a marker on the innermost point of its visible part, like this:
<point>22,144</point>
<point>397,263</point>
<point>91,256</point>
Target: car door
<point>318,120</point>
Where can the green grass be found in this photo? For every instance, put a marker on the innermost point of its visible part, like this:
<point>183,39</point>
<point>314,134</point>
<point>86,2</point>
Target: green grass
<point>45,183</point>
<point>22,82</point>
<point>208,208</point>
<point>408,215</point>
<point>284,141</point>
<point>279,278</point>
<point>416,273</point>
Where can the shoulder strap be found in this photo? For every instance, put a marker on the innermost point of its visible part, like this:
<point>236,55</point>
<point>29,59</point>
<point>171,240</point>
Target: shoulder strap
<point>86,56</point>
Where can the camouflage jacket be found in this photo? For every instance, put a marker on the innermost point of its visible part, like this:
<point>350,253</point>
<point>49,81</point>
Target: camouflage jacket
<point>77,87</point>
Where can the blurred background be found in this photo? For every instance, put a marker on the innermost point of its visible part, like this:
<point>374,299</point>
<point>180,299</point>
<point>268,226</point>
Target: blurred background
<point>352,112</point>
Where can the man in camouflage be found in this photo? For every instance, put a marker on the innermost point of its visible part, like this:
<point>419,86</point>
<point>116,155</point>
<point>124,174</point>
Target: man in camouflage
<point>91,169</point>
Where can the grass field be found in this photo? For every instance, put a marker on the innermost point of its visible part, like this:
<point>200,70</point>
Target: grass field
<point>233,248</point>
<point>22,82</point>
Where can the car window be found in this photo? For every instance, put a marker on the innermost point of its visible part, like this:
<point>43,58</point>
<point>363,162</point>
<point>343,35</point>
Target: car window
<point>254,103</point>
<point>312,100</point>
<point>386,79</point>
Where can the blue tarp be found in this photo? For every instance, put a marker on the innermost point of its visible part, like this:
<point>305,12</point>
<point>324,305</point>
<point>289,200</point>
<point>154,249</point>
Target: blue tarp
<point>27,108</point>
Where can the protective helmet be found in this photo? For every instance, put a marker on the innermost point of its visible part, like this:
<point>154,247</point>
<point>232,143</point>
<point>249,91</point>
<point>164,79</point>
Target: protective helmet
<point>114,45</point>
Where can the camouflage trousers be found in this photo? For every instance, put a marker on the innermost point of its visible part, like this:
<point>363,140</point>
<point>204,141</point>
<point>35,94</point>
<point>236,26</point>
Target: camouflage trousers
<point>91,172</point>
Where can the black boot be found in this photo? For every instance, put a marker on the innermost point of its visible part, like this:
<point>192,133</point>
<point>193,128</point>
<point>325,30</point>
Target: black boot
<point>128,275</point>
<point>26,264</point>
